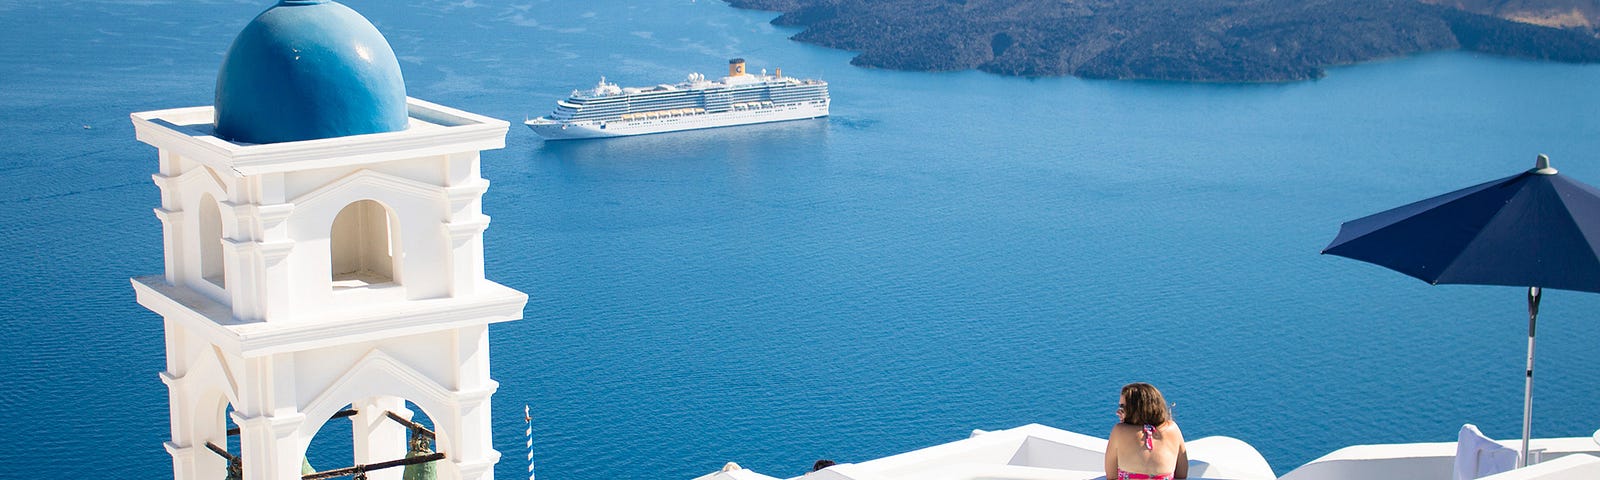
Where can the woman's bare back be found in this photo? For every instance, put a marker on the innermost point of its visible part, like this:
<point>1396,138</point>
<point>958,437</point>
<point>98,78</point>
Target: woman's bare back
<point>1166,447</point>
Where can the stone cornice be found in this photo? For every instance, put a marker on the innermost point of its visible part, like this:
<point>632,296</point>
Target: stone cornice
<point>179,451</point>
<point>434,130</point>
<point>461,195</point>
<point>472,398</point>
<point>279,424</point>
<point>384,181</point>
<point>168,216</point>
<point>493,303</point>
<point>462,231</point>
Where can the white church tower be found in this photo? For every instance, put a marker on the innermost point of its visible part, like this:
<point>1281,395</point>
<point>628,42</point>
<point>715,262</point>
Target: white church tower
<point>323,236</point>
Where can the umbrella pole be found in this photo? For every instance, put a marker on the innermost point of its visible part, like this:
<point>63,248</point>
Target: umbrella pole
<point>1527,391</point>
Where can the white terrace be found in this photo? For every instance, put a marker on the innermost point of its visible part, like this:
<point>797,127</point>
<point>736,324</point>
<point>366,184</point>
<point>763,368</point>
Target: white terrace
<point>1038,452</point>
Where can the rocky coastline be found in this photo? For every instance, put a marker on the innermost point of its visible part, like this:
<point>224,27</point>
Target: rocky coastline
<point>1180,40</point>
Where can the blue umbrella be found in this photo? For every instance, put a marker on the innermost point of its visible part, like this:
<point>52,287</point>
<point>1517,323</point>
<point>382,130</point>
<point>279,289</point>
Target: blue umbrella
<point>1535,229</point>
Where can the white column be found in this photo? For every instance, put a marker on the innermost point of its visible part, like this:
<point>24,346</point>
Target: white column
<point>462,168</point>
<point>270,447</point>
<point>376,437</point>
<point>185,464</point>
<point>465,222</point>
<point>471,356</point>
<point>189,461</point>
<point>171,242</point>
<point>274,298</point>
<point>189,433</point>
<point>465,258</point>
<point>471,440</point>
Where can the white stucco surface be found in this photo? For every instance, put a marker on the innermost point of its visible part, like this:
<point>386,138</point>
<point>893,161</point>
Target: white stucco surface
<point>1029,452</point>
<point>284,311</point>
<point>1424,461</point>
<point>1037,452</point>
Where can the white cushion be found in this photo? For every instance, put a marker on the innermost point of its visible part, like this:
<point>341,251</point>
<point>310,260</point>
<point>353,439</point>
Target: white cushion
<point>1480,456</point>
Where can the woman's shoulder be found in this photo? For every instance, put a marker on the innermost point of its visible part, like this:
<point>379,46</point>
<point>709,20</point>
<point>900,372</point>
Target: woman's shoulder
<point>1120,429</point>
<point>1171,428</point>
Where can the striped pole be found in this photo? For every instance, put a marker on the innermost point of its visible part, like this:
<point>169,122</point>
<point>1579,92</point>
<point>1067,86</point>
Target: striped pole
<point>527,417</point>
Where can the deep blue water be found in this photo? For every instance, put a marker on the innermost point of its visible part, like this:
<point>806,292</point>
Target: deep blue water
<point>948,251</point>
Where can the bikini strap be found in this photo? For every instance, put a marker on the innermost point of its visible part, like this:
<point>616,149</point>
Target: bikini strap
<point>1149,437</point>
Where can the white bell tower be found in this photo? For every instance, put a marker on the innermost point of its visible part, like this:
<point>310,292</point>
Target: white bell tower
<point>314,268</point>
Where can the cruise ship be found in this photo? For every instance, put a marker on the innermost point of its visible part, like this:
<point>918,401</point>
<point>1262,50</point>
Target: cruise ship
<point>738,99</point>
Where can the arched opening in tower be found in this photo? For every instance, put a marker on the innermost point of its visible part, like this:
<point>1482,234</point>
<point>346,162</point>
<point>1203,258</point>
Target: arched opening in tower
<point>210,231</point>
<point>217,437</point>
<point>363,242</point>
<point>386,438</point>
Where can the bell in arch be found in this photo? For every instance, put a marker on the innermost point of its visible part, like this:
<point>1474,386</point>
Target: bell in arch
<point>419,446</point>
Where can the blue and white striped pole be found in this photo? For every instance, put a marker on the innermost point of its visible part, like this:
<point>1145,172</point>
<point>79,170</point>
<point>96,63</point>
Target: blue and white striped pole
<point>526,417</point>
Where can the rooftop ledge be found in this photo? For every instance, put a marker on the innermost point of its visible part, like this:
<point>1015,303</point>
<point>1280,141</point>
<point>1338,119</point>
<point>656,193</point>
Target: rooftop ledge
<point>432,130</point>
<point>493,303</point>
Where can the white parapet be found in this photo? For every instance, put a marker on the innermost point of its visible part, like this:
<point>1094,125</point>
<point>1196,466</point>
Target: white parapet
<point>1226,457</point>
<point>1029,452</point>
<point>1568,467</point>
<point>1424,461</point>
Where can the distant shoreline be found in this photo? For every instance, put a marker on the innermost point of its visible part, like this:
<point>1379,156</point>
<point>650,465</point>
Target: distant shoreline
<point>1228,41</point>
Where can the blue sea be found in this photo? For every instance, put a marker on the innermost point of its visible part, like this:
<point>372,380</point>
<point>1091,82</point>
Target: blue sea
<point>947,252</point>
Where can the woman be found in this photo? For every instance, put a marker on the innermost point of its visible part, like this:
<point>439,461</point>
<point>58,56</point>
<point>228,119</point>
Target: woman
<point>1146,443</point>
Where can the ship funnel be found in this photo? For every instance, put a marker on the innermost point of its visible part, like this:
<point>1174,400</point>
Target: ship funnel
<point>779,73</point>
<point>736,67</point>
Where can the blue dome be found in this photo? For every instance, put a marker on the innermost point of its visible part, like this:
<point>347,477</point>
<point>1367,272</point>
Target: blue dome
<point>309,69</point>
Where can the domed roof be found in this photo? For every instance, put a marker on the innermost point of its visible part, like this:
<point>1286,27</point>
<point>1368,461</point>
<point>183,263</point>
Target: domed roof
<point>309,69</point>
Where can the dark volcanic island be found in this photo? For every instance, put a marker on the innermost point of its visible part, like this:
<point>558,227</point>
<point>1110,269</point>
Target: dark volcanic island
<point>1186,40</point>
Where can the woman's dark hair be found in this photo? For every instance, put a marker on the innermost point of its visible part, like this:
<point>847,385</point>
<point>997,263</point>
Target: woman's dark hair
<point>1142,404</point>
<point>821,464</point>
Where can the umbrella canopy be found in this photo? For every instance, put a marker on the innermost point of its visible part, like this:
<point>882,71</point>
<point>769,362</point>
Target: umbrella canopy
<point>1535,229</point>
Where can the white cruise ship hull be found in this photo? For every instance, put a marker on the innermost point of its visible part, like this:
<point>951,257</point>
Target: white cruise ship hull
<point>556,130</point>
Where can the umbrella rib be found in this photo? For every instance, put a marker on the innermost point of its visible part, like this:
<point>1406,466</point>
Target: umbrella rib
<point>1477,232</point>
<point>1476,235</point>
<point>1566,218</point>
<point>1414,208</point>
<point>1571,219</point>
